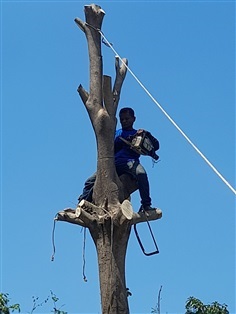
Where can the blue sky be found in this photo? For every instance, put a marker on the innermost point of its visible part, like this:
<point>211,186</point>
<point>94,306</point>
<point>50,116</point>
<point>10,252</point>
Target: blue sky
<point>184,53</point>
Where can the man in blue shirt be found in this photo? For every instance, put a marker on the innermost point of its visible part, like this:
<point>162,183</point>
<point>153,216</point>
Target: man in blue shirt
<point>126,160</point>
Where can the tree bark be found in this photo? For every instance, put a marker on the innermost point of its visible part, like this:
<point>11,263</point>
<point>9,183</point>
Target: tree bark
<point>111,244</point>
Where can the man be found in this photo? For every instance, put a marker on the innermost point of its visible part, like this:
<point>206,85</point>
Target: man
<point>127,160</point>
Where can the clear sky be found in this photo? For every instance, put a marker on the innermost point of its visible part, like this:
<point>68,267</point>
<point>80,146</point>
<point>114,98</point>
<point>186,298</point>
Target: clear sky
<point>184,53</point>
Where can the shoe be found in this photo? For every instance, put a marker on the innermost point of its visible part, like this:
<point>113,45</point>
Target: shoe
<point>145,208</point>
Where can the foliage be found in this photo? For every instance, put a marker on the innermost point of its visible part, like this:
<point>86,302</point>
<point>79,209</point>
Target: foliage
<point>195,306</point>
<point>5,308</point>
<point>192,306</point>
<point>36,304</point>
<point>55,309</point>
<point>54,300</point>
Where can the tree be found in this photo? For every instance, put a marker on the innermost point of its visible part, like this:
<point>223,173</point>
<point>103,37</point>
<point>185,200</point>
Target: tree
<point>5,308</point>
<point>110,216</point>
<point>195,306</point>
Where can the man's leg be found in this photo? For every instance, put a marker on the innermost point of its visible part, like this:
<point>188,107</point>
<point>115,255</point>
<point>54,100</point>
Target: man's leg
<point>143,185</point>
<point>136,170</point>
<point>88,189</point>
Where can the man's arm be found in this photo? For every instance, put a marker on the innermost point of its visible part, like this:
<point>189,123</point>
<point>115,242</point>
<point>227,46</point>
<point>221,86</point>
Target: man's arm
<point>118,143</point>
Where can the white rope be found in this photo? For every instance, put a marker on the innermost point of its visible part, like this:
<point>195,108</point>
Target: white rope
<point>166,114</point>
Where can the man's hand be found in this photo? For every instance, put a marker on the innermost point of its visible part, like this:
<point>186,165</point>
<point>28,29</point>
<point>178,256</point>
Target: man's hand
<point>140,131</point>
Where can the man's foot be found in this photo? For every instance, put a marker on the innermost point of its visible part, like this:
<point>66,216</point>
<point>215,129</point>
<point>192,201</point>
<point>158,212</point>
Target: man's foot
<point>145,208</point>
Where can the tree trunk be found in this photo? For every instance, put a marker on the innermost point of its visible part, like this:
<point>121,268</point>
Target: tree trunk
<point>101,108</point>
<point>110,216</point>
<point>111,244</point>
<point>110,232</point>
<point>101,103</point>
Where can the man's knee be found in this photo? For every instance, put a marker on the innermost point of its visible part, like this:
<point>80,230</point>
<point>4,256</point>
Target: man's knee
<point>140,170</point>
<point>90,181</point>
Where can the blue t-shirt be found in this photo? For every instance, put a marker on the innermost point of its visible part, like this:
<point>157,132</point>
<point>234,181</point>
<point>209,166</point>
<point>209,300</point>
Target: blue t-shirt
<point>123,152</point>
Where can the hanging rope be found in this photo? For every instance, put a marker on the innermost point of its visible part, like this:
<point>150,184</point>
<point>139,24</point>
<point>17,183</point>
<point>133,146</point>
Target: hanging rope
<point>84,276</point>
<point>53,238</point>
<point>54,247</point>
<point>107,43</point>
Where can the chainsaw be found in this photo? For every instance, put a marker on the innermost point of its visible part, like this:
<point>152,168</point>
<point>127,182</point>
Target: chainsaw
<point>142,144</point>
